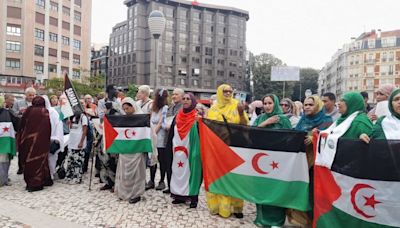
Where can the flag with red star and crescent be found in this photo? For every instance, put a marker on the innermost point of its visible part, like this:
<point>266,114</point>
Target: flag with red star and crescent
<point>259,165</point>
<point>362,187</point>
<point>127,134</point>
<point>7,137</point>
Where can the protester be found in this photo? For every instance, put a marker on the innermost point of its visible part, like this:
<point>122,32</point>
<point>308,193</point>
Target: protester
<point>53,101</point>
<point>381,107</point>
<point>143,99</point>
<point>76,145</point>
<point>130,178</point>
<point>272,118</point>
<point>159,124</point>
<point>329,100</point>
<point>368,107</point>
<point>299,108</point>
<point>8,127</point>
<point>255,109</point>
<point>57,136</point>
<point>289,109</point>
<point>90,107</point>
<point>387,127</point>
<point>230,110</point>
<point>213,99</point>
<point>176,105</point>
<point>185,167</point>
<point>8,101</point>
<point>34,143</point>
<point>201,110</point>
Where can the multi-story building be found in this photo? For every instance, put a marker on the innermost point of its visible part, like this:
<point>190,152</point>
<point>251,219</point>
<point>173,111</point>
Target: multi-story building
<point>99,62</point>
<point>371,60</point>
<point>42,39</point>
<point>203,46</point>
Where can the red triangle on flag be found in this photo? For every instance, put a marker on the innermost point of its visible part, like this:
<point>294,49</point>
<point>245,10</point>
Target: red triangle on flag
<point>109,134</point>
<point>217,158</point>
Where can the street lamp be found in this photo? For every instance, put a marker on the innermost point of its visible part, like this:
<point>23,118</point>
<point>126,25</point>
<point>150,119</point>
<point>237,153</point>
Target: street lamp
<point>156,23</point>
<point>308,93</point>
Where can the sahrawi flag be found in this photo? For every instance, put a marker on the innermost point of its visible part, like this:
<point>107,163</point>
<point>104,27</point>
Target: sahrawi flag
<point>186,165</point>
<point>255,164</point>
<point>69,101</point>
<point>127,134</point>
<point>362,188</point>
<point>7,138</point>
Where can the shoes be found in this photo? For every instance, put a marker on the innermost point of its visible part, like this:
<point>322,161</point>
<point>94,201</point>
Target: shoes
<point>193,205</point>
<point>49,183</point>
<point>34,189</point>
<point>97,175</point>
<point>20,171</point>
<point>149,185</point>
<point>160,186</point>
<point>177,201</point>
<point>166,191</point>
<point>134,200</point>
<point>106,187</point>
<point>238,215</point>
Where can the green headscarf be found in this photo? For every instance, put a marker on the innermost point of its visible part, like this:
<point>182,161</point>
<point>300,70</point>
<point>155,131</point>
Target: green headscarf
<point>354,102</point>
<point>284,122</point>
<point>394,93</point>
<point>1,101</point>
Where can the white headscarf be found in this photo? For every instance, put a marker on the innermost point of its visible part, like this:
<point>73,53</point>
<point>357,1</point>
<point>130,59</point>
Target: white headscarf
<point>128,100</point>
<point>57,132</point>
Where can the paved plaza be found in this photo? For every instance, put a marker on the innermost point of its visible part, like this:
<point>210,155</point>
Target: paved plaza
<point>65,205</point>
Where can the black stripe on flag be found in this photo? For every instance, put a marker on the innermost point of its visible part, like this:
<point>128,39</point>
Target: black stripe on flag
<point>258,138</point>
<point>137,120</point>
<point>378,160</point>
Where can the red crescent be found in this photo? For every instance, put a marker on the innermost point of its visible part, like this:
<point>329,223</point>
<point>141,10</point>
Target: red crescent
<point>354,191</point>
<point>126,133</point>
<point>254,162</point>
<point>183,149</point>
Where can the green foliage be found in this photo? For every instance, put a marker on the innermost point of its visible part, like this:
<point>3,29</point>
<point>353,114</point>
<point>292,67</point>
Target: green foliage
<point>308,80</point>
<point>92,86</point>
<point>132,91</point>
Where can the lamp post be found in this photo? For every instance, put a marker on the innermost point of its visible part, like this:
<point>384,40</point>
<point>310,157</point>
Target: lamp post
<point>308,93</point>
<point>156,23</point>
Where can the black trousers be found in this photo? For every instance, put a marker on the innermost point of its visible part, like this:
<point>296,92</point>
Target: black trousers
<point>165,166</point>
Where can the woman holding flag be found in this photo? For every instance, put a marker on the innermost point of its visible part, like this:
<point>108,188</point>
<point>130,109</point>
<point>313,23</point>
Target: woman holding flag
<point>130,177</point>
<point>387,127</point>
<point>183,146</point>
<point>272,118</point>
<point>229,110</point>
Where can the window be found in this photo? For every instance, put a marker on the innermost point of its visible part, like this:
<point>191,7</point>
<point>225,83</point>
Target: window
<point>182,80</point>
<point>182,48</point>
<point>52,68</point>
<point>221,51</point>
<point>53,52</point>
<point>65,55</point>
<point>38,68</point>
<point>40,3</point>
<point>77,30</point>
<point>78,3</point>
<point>183,26</point>
<point>13,64</point>
<point>39,50</point>
<point>221,62</point>
<point>13,30</point>
<point>208,51</point>
<point>77,45</point>
<point>39,34</point>
<point>196,60</point>
<point>66,11</point>
<point>209,72</point>
<point>371,43</point>
<point>208,61</point>
<point>195,39</point>
<point>182,71</point>
<point>39,18</point>
<point>13,46</point>
<point>389,42</point>
<point>53,21</point>
<point>54,6</point>
<point>391,56</point>
<point>183,59</point>
<point>76,59</point>
<point>195,82</point>
<point>14,12</point>
<point>183,37</point>
<point>65,40</point>
<point>220,73</point>
<point>233,52</point>
<point>231,74</point>
<point>77,16</point>
<point>384,57</point>
<point>65,25</point>
<point>76,74</point>
<point>196,49</point>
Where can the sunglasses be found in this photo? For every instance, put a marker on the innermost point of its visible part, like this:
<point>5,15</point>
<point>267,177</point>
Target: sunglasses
<point>284,105</point>
<point>186,98</point>
<point>227,91</point>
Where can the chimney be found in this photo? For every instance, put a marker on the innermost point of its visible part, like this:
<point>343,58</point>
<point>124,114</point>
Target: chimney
<point>378,34</point>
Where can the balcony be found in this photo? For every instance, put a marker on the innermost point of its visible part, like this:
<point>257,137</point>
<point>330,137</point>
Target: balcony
<point>369,61</point>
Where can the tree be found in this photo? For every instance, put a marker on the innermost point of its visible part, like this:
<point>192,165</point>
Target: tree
<point>132,90</point>
<point>261,65</point>
<point>94,85</point>
<point>308,80</point>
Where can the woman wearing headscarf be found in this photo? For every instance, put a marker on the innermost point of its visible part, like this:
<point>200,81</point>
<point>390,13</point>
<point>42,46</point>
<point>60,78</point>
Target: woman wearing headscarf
<point>8,127</point>
<point>183,147</point>
<point>314,118</point>
<point>272,118</point>
<point>289,109</point>
<point>34,145</point>
<point>387,127</point>
<point>381,107</point>
<point>130,178</point>
<point>229,110</point>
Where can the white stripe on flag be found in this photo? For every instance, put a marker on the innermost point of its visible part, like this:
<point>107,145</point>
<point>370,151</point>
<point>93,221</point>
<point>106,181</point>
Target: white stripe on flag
<point>284,166</point>
<point>133,133</point>
<point>7,130</point>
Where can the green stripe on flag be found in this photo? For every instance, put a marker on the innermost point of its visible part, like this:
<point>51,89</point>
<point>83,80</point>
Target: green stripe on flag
<point>263,190</point>
<point>8,145</point>
<point>130,146</point>
<point>337,218</point>
<point>194,161</point>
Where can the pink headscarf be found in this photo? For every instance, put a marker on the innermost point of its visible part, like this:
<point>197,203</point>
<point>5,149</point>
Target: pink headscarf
<point>386,89</point>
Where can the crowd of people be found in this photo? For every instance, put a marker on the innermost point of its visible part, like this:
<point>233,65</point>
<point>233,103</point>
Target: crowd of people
<point>42,160</point>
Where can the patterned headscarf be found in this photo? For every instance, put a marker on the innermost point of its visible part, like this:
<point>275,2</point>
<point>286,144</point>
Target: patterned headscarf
<point>193,105</point>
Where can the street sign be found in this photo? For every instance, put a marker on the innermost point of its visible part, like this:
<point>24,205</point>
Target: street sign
<point>285,73</point>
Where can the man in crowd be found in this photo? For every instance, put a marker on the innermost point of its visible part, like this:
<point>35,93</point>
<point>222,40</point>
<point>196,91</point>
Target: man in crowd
<point>176,105</point>
<point>329,100</point>
<point>90,108</point>
<point>9,101</point>
<point>368,107</point>
<point>143,100</point>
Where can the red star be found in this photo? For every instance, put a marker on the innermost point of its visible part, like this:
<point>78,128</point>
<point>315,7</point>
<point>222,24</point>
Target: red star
<point>274,165</point>
<point>5,129</point>
<point>133,133</point>
<point>370,201</point>
<point>180,164</point>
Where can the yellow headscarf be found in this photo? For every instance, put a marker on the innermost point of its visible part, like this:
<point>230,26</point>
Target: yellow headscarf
<point>225,106</point>
<point>319,104</point>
